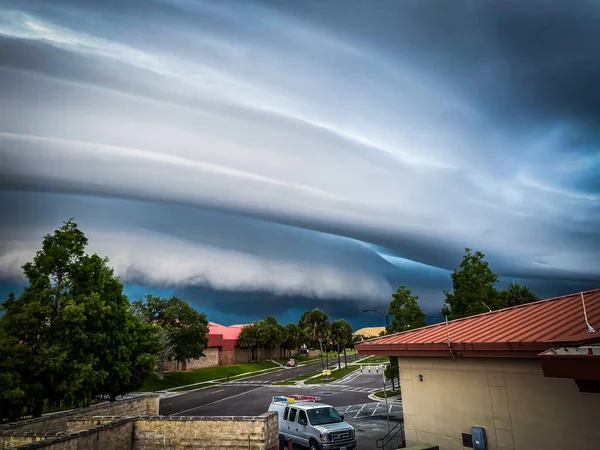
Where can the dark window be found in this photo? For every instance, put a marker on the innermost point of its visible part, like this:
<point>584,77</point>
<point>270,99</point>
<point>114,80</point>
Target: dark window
<point>322,416</point>
<point>285,413</point>
<point>292,417</point>
<point>302,420</point>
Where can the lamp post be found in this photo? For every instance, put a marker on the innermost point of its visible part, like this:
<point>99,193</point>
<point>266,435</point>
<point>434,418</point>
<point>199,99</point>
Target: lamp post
<point>387,317</point>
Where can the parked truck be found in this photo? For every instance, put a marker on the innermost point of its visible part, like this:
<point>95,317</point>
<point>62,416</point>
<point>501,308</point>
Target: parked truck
<point>306,422</point>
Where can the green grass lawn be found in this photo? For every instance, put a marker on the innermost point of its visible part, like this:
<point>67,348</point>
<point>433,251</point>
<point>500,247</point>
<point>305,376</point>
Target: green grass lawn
<point>174,379</point>
<point>335,375</point>
<point>375,360</point>
<point>239,377</point>
<point>284,383</point>
<point>381,394</point>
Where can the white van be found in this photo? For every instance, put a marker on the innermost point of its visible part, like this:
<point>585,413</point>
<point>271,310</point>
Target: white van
<point>314,425</point>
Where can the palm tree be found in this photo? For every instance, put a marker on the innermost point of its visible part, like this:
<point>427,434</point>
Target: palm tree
<point>315,324</point>
<point>348,336</point>
<point>337,337</point>
<point>248,339</point>
<point>270,334</point>
<point>291,338</point>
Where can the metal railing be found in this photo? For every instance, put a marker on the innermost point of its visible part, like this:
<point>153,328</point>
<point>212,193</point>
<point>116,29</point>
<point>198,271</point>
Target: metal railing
<point>398,428</point>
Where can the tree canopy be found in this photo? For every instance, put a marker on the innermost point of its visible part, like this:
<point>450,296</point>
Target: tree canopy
<point>186,328</point>
<point>473,288</point>
<point>406,312</point>
<point>517,294</point>
<point>315,324</point>
<point>76,336</point>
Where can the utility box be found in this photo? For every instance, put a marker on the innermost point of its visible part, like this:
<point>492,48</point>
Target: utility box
<point>479,439</point>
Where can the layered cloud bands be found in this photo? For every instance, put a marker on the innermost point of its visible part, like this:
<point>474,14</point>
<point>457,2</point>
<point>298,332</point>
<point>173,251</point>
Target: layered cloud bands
<point>335,143</point>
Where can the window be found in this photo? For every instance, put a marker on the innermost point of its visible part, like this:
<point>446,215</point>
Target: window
<point>292,416</point>
<point>302,420</point>
<point>285,413</point>
<point>322,416</point>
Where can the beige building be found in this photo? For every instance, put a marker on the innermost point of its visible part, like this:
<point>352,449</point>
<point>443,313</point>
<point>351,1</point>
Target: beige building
<point>528,375</point>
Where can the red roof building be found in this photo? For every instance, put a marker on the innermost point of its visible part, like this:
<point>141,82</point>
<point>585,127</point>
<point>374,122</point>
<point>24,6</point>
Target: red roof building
<point>529,376</point>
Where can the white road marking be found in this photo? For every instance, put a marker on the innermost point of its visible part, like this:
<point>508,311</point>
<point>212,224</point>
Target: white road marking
<point>360,410</point>
<point>375,410</point>
<point>348,408</point>
<point>217,401</point>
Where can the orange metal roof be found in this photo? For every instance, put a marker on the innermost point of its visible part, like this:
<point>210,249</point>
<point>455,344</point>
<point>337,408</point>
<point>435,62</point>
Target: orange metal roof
<point>527,329</point>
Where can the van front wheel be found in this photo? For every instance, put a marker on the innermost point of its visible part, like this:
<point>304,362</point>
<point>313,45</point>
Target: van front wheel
<point>313,445</point>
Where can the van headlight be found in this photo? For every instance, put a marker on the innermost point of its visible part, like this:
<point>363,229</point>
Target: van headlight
<point>325,437</point>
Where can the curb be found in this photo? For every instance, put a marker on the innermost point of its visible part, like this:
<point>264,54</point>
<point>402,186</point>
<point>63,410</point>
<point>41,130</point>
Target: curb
<point>382,400</point>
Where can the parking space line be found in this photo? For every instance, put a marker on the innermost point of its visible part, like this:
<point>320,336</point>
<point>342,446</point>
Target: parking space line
<point>375,410</point>
<point>348,408</point>
<point>359,411</point>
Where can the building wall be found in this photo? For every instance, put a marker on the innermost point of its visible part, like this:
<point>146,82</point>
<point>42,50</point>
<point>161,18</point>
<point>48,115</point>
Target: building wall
<point>519,408</point>
<point>53,423</point>
<point>211,359</point>
<point>207,433</point>
<point>242,355</point>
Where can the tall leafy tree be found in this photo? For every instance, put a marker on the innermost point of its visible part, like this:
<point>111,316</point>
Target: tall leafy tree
<point>517,294</point>
<point>473,290</point>
<point>187,329</point>
<point>248,338</point>
<point>291,339</point>
<point>315,324</point>
<point>347,337</point>
<point>77,337</point>
<point>338,338</point>
<point>406,311</point>
<point>270,334</point>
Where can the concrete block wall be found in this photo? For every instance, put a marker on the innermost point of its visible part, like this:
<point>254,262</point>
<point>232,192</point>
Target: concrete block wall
<point>207,433</point>
<point>113,435</point>
<point>56,422</point>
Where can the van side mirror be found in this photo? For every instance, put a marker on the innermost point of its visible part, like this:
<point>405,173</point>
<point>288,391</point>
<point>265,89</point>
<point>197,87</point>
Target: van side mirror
<point>342,416</point>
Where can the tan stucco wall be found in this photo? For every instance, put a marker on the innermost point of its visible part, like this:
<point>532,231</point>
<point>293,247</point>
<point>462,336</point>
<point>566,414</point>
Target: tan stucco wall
<point>519,408</point>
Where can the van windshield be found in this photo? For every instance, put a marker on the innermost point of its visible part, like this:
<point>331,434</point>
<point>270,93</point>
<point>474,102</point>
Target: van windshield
<point>322,416</point>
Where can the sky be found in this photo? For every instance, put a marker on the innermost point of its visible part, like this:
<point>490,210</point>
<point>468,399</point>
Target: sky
<point>268,157</point>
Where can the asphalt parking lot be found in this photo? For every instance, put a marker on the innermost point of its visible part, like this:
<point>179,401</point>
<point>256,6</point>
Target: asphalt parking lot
<point>370,422</point>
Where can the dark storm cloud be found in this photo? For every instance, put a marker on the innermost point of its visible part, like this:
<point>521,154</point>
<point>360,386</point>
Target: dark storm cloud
<point>414,128</point>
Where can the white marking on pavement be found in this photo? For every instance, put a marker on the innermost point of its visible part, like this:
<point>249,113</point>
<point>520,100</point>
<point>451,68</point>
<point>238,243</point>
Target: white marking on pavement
<point>360,410</point>
<point>348,408</point>
<point>375,410</point>
<point>217,401</point>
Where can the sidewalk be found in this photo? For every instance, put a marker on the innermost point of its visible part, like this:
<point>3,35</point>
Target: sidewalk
<point>396,399</point>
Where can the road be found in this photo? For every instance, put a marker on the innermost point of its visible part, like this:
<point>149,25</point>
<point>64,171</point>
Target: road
<point>250,397</point>
<point>211,401</point>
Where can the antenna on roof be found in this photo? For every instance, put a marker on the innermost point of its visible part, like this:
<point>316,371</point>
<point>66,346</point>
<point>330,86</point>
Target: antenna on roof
<point>486,306</point>
<point>448,336</point>
<point>589,327</point>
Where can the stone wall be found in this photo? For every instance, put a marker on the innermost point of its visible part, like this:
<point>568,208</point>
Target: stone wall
<point>53,423</point>
<point>242,355</point>
<point>115,435</point>
<point>207,433</point>
<point>212,358</point>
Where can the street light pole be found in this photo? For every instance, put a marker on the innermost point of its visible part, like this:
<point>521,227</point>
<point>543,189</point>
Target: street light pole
<point>387,317</point>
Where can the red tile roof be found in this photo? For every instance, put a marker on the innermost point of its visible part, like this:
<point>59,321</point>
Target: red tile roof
<point>519,331</point>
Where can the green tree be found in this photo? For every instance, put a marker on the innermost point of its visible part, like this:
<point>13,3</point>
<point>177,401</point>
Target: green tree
<point>473,288</point>
<point>337,338</point>
<point>13,399</point>
<point>187,329</point>
<point>78,339</point>
<point>315,324</point>
<point>347,336</point>
<point>291,339</point>
<point>406,311</point>
<point>270,333</point>
<point>248,338</point>
<point>517,294</point>
<point>392,371</point>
